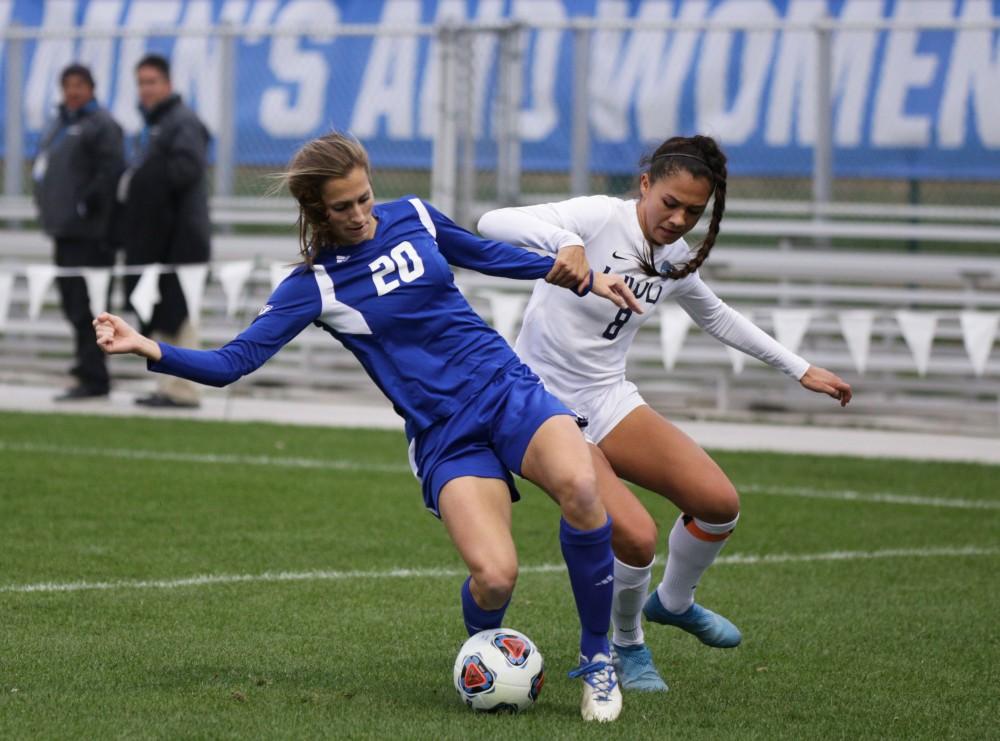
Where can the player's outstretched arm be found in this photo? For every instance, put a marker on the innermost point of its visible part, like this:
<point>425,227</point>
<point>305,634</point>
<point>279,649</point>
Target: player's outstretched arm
<point>823,381</point>
<point>115,337</point>
<point>614,288</point>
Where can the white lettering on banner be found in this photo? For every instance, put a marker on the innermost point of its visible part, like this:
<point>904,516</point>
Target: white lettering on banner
<point>973,76</point>
<point>738,123</point>
<point>282,113</point>
<point>448,11</point>
<point>142,14</point>
<point>853,60</point>
<point>902,70</point>
<point>387,87</point>
<point>5,8</point>
<point>793,89</point>
<point>484,51</point>
<point>624,70</point>
<point>659,105</point>
<point>51,56</point>
<point>196,62</point>
<point>261,14</point>
<point>97,52</point>
<point>538,121</point>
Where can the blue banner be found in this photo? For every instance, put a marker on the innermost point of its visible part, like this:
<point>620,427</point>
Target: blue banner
<point>907,103</point>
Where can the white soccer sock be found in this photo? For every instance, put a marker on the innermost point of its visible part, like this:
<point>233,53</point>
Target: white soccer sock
<point>630,591</point>
<point>693,546</point>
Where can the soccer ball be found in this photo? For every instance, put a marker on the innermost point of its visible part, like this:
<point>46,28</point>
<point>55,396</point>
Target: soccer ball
<point>499,670</point>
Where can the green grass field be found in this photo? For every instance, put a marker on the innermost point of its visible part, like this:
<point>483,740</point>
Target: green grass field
<point>867,592</point>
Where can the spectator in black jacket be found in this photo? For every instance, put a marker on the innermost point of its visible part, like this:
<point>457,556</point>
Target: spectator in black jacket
<point>164,218</point>
<point>79,160</point>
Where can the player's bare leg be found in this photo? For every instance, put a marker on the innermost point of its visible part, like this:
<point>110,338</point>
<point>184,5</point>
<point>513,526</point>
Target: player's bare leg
<point>476,513</point>
<point>557,459</point>
<point>634,539</point>
<point>648,450</point>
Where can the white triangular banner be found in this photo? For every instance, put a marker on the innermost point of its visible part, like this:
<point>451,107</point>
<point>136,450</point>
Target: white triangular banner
<point>856,326</point>
<point>506,310</point>
<point>97,280</point>
<point>979,329</point>
<point>233,276</point>
<point>146,293</point>
<point>674,325</point>
<point>738,358</point>
<point>39,279</point>
<point>6,286</point>
<point>192,279</point>
<point>918,330</point>
<point>279,271</point>
<point>790,326</point>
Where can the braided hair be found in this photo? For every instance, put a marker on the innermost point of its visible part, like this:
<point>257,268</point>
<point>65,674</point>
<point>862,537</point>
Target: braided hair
<point>702,158</point>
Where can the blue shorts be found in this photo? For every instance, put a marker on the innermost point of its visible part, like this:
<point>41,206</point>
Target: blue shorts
<point>488,437</point>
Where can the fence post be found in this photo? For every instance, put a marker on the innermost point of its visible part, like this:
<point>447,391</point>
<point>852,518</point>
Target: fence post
<point>508,115</point>
<point>443,172</point>
<point>822,186</point>
<point>465,94</point>
<point>13,163</point>
<point>225,141</point>
<point>580,137</point>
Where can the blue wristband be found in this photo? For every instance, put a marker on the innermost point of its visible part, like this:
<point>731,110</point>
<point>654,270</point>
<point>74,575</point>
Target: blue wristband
<point>589,287</point>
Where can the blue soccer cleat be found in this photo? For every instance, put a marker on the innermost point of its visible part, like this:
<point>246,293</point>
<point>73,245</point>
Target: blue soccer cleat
<point>635,669</point>
<point>711,629</point>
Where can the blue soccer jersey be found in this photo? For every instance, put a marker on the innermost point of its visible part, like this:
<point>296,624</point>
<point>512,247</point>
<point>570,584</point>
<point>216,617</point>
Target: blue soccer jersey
<point>392,301</point>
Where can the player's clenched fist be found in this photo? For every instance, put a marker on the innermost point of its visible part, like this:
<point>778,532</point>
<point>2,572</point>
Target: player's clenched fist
<point>115,336</point>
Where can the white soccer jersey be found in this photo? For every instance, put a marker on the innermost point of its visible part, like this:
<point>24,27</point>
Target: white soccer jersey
<point>575,344</point>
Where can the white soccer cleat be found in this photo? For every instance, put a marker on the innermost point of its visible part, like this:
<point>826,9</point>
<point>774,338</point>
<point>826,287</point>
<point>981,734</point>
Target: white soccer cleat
<point>602,698</point>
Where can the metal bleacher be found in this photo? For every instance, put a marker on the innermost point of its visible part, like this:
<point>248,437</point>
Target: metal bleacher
<point>770,255</point>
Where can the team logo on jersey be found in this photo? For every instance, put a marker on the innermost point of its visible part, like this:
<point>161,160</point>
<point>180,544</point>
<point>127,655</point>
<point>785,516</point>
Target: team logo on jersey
<point>264,309</point>
<point>666,266</point>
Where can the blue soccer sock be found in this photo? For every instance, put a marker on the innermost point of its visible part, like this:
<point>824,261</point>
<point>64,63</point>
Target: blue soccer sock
<point>476,618</point>
<point>591,573</point>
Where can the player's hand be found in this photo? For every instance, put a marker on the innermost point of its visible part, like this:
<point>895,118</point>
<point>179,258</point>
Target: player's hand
<point>115,336</point>
<point>571,269</point>
<point>614,288</point>
<point>823,381</point>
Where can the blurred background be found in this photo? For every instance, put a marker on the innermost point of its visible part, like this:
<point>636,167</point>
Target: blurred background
<point>863,136</point>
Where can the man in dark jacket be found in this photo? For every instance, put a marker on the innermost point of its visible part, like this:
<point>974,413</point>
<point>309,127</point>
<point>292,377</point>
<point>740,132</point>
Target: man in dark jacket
<point>79,160</point>
<point>164,218</point>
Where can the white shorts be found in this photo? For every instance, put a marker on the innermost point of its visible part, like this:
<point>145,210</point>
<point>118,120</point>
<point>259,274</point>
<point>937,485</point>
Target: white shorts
<point>604,407</point>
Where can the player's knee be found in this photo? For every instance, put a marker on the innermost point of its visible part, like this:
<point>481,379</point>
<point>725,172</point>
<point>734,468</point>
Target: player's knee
<point>495,584</point>
<point>722,506</point>
<point>576,492</point>
<point>634,543</point>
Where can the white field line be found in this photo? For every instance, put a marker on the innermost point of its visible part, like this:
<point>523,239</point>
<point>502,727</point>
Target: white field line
<point>859,496</point>
<point>334,464</point>
<point>547,568</point>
